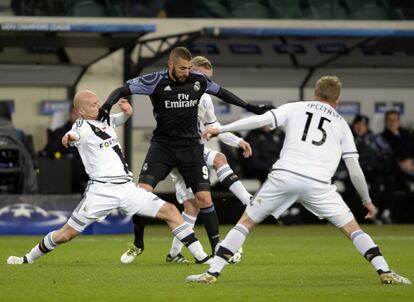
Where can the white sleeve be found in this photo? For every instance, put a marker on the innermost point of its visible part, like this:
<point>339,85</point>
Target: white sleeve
<point>230,139</point>
<point>79,131</point>
<point>348,147</point>
<point>281,114</point>
<point>119,119</point>
<point>357,178</point>
<point>252,122</point>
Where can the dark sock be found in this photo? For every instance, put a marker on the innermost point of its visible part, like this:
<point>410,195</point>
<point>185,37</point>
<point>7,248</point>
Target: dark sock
<point>139,227</point>
<point>211,223</point>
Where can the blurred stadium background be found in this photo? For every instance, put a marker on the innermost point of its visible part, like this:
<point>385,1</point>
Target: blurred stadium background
<point>269,51</point>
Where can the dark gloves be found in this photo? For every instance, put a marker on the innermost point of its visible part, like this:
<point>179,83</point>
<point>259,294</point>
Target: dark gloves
<point>104,113</point>
<point>259,109</point>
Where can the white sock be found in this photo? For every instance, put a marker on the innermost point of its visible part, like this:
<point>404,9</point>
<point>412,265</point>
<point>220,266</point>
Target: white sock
<point>186,235</point>
<point>240,192</point>
<point>45,246</point>
<point>363,243</point>
<point>177,245</point>
<point>236,187</point>
<point>233,241</point>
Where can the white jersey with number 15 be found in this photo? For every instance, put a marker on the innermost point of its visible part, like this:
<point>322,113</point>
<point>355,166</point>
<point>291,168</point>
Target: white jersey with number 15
<point>316,138</point>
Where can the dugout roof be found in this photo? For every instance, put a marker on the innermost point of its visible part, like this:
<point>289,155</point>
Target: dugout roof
<point>57,53</point>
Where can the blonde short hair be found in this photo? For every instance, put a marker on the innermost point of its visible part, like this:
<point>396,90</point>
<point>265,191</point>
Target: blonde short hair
<point>201,61</point>
<point>328,88</point>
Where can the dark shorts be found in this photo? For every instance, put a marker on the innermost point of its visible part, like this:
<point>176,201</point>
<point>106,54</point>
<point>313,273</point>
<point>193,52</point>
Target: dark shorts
<point>189,160</point>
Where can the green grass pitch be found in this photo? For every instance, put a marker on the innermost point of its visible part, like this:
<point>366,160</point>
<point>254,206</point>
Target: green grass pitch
<point>303,263</point>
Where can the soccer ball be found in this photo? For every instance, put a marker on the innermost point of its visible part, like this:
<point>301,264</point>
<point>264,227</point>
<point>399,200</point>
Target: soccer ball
<point>236,257</point>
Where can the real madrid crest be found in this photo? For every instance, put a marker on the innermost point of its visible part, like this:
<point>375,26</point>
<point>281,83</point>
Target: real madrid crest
<point>196,86</point>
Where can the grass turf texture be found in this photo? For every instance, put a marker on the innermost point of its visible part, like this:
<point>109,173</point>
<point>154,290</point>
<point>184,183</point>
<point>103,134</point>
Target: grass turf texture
<point>304,263</point>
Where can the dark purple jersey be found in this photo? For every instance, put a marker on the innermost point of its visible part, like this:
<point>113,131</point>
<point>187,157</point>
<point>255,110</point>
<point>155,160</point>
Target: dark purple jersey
<point>175,104</point>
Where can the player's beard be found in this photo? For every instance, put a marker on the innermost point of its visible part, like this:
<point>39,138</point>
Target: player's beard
<point>181,79</point>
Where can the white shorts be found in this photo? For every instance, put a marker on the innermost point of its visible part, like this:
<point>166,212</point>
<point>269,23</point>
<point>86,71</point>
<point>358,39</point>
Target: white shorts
<point>182,193</point>
<point>100,199</point>
<point>282,189</point>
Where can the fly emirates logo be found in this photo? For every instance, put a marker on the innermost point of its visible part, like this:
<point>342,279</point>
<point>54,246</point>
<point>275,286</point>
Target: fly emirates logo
<point>183,102</point>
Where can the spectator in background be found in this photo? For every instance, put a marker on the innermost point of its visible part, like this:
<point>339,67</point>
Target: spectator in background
<point>55,149</point>
<point>398,146</point>
<point>266,145</point>
<point>15,139</point>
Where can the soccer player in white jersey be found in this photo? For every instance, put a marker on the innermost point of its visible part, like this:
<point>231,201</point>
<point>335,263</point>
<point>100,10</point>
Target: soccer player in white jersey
<point>316,138</point>
<point>215,159</point>
<point>110,186</point>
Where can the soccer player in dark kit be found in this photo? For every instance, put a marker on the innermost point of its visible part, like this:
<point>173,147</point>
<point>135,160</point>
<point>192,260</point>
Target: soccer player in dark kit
<point>176,141</point>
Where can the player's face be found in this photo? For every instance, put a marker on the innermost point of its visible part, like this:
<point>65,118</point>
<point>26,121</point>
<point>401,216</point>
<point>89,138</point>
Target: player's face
<point>180,69</point>
<point>207,72</point>
<point>90,107</point>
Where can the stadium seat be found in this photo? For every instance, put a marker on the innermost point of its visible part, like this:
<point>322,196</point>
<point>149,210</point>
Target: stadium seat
<point>354,5</point>
<point>233,5</point>
<point>87,8</point>
<point>370,12</point>
<point>284,9</point>
<point>396,14</point>
<point>326,12</point>
<point>251,10</point>
<point>217,8</point>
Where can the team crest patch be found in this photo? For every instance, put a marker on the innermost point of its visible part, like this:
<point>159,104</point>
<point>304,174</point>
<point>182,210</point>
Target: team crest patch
<point>145,167</point>
<point>196,86</point>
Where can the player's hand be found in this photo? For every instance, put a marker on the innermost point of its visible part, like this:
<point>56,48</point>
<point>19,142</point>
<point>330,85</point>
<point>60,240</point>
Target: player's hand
<point>208,133</point>
<point>372,210</point>
<point>259,109</point>
<point>125,106</point>
<point>66,139</point>
<point>104,113</point>
<point>247,150</point>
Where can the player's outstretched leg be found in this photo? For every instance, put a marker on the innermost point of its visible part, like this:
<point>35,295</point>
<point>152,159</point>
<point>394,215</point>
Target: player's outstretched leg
<point>230,245</point>
<point>46,245</point>
<point>370,251</point>
<point>137,247</point>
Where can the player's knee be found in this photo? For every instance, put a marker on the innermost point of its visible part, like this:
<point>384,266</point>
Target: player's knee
<point>191,208</point>
<point>219,160</point>
<point>168,212</point>
<point>204,201</point>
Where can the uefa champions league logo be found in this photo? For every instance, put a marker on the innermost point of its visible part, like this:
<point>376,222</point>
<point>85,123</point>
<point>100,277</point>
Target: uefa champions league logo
<point>19,213</point>
<point>23,218</point>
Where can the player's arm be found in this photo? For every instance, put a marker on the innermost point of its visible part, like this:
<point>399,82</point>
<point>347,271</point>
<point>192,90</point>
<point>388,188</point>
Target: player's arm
<point>140,85</point>
<point>122,117</point>
<point>76,135</point>
<point>248,123</point>
<point>210,120</point>
<point>70,138</point>
<point>228,97</point>
<point>360,184</point>
<point>350,157</point>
